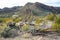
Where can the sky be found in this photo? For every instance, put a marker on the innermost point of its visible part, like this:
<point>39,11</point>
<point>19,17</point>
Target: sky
<point>11,3</point>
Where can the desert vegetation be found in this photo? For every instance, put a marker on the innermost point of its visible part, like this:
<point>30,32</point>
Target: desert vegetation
<point>30,22</point>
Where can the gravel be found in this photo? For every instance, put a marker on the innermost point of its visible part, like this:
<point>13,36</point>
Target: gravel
<point>28,36</point>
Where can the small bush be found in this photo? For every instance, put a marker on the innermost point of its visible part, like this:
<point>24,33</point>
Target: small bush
<point>57,20</point>
<point>38,20</point>
<point>56,27</point>
<point>50,17</point>
<point>9,33</point>
<point>2,27</point>
<point>24,27</point>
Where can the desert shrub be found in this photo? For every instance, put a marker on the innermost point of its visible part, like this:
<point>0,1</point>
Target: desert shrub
<point>12,25</point>
<point>38,20</point>
<point>24,27</point>
<point>57,20</point>
<point>56,24</point>
<point>1,20</point>
<point>17,19</point>
<point>8,32</point>
<point>5,20</point>
<point>50,17</point>
<point>2,27</point>
<point>56,27</point>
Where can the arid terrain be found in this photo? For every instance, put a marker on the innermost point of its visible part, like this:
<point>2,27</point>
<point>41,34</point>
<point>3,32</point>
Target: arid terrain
<point>33,21</point>
<point>28,36</point>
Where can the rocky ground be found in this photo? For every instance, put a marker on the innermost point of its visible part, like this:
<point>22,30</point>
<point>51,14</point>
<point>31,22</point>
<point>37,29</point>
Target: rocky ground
<point>28,36</point>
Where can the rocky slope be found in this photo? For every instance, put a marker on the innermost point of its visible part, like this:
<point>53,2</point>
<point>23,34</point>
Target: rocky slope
<point>37,9</point>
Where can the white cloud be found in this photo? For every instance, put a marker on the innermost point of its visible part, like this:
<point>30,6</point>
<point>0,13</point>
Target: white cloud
<point>10,3</point>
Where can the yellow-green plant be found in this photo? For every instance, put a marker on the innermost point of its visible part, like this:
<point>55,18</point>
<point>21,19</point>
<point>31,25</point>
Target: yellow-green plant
<point>56,27</point>
<point>57,20</point>
<point>25,27</point>
<point>2,27</point>
<point>17,19</point>
<point>50,17</point>
<point>38,20</point>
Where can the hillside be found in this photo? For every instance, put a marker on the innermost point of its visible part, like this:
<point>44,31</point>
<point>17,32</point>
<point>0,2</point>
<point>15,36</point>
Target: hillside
<point>40,9</point>
<point>33,21</point>
<point>8,12</point>
<point>37,9</point>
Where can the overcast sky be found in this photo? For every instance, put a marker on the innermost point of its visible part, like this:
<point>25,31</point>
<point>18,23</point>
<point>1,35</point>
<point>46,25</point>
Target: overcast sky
<point>11,3</point>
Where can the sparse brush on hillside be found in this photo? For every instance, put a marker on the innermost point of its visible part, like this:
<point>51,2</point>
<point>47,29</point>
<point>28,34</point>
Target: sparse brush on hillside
<point>56,24</point>
<point>56,27</point>
<point>50,17</point>
<point>9,33</point>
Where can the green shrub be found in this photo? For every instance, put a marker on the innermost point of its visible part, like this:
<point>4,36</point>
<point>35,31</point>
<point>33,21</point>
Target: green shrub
<point>24,27</point>
<point>2,27</point>
<point>50,17</point>
<point>56,27</point>
<point>8,32</point>
<point>57,20</point>
<point>38,20</point>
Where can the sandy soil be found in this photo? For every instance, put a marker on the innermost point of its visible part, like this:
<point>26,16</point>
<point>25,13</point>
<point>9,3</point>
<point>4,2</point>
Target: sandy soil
<point>28,36</point>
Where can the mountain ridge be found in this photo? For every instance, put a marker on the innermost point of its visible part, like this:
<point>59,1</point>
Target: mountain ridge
<point>36,9</point>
